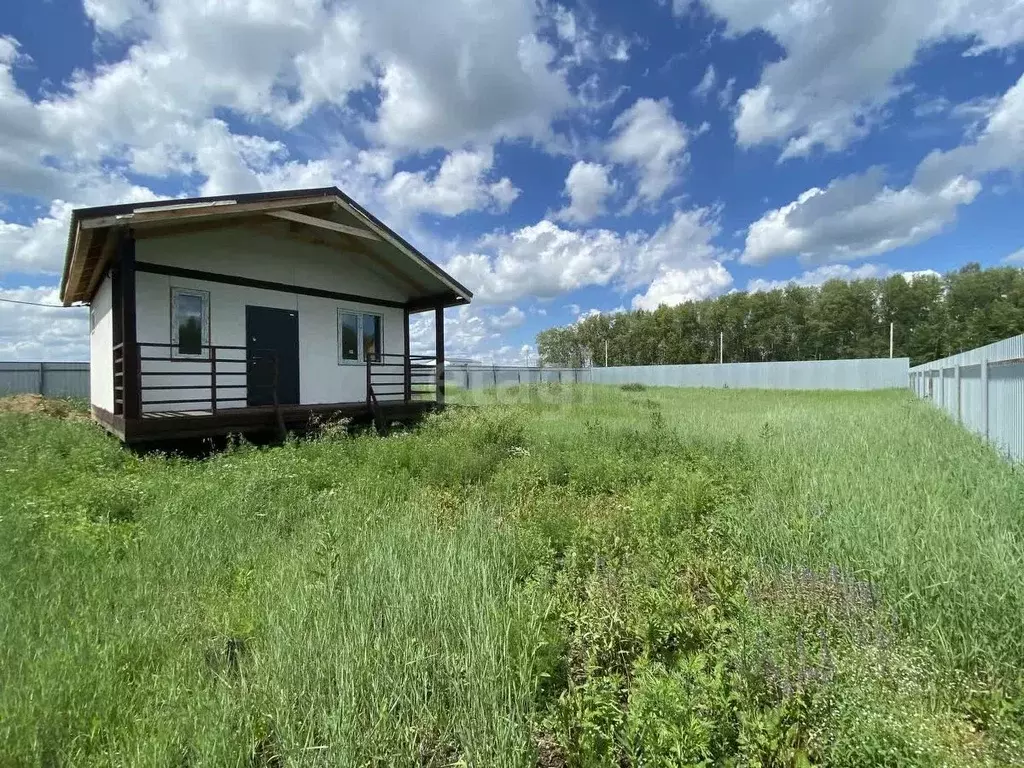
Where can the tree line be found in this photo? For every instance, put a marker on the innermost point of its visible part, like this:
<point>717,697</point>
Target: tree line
<point>933,317</point>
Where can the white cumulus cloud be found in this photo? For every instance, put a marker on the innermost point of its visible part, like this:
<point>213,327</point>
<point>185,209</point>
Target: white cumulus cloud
<point>842,60</point>
<point>544,259</point>
<point>1015,258</point>
<point>41,333</point>
<point>822,275</point>
<point>459,185</point>
<point>653,143</point>
<point>677,286</point>
<point>861,215</point>
<point>588,186</point>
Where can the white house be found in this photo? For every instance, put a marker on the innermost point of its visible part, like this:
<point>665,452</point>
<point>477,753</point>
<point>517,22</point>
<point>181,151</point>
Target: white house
<point>247,312</point>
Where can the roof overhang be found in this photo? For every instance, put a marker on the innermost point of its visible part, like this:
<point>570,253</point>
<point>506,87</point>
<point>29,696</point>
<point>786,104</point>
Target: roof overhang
<point>325,216</point>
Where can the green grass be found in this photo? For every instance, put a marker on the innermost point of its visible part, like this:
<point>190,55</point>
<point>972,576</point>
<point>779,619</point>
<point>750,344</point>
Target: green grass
<point>572,576</point>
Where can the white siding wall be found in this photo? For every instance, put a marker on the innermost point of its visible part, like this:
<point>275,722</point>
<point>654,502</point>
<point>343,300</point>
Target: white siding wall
<point>243,253</point>
<point>101,348</point>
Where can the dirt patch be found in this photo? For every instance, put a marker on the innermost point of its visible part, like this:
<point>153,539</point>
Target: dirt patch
<point>37,404</point>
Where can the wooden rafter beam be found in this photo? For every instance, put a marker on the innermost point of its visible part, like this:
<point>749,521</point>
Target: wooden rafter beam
<point>348,245</point>
<point>141,216</point>
<point>106,256</point>
<point>83,242</point>
<point>314,221</point>
<point>433,302</point>
<point>171,229</point>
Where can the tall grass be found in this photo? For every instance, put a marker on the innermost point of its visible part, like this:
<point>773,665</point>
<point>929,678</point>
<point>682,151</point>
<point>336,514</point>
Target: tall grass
<point>569,576</point>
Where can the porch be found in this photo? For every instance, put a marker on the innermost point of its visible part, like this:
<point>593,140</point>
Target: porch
<point>235,390</point>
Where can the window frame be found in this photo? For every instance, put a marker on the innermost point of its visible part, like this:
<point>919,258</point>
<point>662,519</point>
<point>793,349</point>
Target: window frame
<point>360,353</point>
<point>204,334</point>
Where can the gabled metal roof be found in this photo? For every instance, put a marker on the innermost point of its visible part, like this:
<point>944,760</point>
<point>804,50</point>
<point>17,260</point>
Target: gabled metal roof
<point>326,214</point>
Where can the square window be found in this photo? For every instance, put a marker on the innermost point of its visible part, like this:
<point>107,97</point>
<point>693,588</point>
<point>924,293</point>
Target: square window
<point>360,337</point>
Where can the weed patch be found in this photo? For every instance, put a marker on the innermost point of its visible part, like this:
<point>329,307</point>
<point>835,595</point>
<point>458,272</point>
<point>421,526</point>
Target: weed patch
<point>582,577</point>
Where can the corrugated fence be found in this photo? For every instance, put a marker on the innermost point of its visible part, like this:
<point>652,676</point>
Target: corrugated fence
<point>49,379</point>
<point>983,389</point>
<point>878,373</point>
<point>873,373</point>
<point>477,377</point>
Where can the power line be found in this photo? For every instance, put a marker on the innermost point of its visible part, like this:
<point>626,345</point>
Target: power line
<point>33,303</point>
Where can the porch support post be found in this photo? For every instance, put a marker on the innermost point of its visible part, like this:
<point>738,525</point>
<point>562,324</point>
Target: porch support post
<point>439,351</point>
<point>129,330</point>
<point>407,369</point>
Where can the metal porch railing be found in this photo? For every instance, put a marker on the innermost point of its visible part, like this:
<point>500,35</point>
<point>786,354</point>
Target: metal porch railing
<point>220,378</point>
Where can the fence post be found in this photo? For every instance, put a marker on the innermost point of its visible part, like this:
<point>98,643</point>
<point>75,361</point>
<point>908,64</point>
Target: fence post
<point>213,379</point>
<point>956,376</point>
<point>42,379</point>
<point>984,397</point>
<point>942,389</point>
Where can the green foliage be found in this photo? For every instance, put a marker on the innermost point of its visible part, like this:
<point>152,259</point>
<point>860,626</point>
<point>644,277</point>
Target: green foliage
<point>652,578</point>
<point>933,317</point>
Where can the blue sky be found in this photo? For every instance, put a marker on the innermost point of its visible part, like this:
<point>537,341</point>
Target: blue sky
<point>559,158</point>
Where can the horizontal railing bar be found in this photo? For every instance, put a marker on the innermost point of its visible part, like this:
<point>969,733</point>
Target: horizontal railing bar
<point>178,400</point>
<point>165,345</point>
<point>157,387</point>
<point>375,366</point>
<point>177,373</point>
<point>193,373</point>
<point>197,360</point>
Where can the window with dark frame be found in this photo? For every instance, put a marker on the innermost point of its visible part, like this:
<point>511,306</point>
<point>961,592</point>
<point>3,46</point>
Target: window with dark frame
<point>360,337</point>
<point>190,326</point>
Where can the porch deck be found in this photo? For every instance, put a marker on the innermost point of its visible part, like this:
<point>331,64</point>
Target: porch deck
<point>234,390</point>
<point>157,427</point>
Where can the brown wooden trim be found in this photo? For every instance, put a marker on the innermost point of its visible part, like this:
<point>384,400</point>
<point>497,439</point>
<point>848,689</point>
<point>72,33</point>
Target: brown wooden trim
<point>407,363</point>
<point>129,330</point>
<point>70,289</point>
<point>172,229</point>
<point>184,210</point>
<point>110,241</point>
<point>314,221</point>
<point>438,300</point>
<point>360,213</point>
<point>350,247</point>
<point>110,422</point>
<point>117,316</point>
<point>154,428</point>
<point>439,352</point>
<point>267,285</point>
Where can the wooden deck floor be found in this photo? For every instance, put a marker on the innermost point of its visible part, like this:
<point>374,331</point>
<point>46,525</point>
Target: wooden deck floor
<point>178,425</point>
